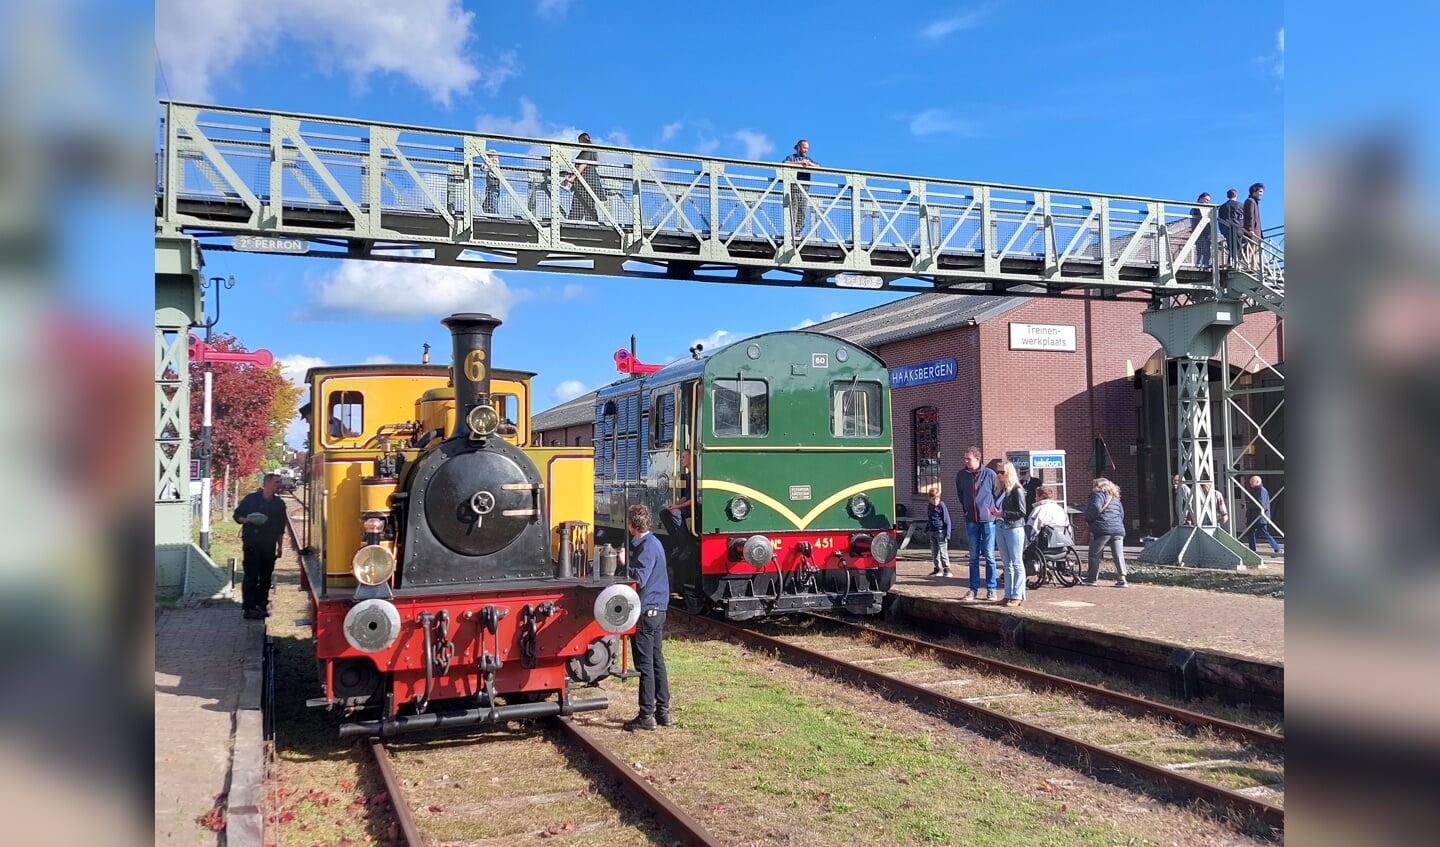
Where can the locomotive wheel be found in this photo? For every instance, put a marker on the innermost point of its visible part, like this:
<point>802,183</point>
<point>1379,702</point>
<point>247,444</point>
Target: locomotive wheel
<point>696,603</point>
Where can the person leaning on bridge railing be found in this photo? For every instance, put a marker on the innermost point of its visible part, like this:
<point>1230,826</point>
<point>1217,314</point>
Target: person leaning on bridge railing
<point>799,199</point>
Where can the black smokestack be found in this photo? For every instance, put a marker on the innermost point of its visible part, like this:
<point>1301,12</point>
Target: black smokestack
<point>471,365</point>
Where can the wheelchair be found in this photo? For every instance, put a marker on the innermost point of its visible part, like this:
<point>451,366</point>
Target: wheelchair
<point>1050,564</point>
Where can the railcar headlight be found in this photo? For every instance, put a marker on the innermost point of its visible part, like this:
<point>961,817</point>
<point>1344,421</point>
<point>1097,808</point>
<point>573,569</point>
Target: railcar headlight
<point>860,506</point>
<point>372,564</point>
<point>739,508</point>
<point>882,547</point>
<point>759,551</point>
<point>483,421</point>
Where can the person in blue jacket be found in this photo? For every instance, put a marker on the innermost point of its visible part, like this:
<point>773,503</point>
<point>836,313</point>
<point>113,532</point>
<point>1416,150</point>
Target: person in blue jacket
<point>937,526</point>
<point>975,486</point>
<point>653,581</point>
<point>1106,515</point>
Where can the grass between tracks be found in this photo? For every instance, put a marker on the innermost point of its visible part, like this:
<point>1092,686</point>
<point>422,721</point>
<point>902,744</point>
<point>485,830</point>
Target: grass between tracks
<point>765,762</point>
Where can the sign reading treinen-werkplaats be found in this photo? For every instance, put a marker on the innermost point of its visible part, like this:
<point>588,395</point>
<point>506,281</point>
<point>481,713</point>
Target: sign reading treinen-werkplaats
<point>1042,337</point>
<point>940,370</point>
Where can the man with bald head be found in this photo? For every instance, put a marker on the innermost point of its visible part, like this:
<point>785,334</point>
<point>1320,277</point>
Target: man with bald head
<point>1257,514</point>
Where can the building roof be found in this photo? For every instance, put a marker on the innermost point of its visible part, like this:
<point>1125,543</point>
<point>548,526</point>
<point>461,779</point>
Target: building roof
<point>570,413</point>
<point>908,317</point>
<point>921,314</point>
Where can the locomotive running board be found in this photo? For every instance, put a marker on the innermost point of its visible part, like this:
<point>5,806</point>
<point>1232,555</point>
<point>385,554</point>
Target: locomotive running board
<point>470,717</point>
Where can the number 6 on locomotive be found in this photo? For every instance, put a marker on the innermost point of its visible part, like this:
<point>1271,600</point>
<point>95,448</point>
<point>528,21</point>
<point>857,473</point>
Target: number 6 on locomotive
<point>790,481</point>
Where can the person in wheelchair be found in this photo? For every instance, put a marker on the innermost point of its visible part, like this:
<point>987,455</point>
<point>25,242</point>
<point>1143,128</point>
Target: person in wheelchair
<point>1052,540</point>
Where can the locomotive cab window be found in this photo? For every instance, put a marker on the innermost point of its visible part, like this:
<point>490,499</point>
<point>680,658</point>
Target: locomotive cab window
<point>346,417</point>
<point>506,406</point>
<point>742,407</point>
<point>855,409</point>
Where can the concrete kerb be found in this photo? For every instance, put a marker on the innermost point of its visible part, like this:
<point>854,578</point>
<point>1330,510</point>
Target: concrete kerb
<point>245,817</point>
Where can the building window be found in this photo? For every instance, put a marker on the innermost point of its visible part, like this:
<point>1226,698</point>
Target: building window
<point>926,421</point>
<point>855,409</point>
<point>742,407</point>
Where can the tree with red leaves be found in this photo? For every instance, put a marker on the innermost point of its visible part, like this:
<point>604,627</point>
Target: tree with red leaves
<point>242,402</point>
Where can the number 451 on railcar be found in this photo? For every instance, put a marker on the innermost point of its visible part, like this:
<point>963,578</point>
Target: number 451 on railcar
<point>790,476</point>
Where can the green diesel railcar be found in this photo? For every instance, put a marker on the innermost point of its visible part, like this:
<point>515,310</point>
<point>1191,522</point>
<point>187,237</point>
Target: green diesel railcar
<point>791,474</point>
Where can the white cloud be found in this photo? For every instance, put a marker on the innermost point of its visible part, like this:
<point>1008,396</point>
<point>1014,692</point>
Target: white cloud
<point>717,339</point>
<point>669,131</point>
<point>957,22</point>
<point>830,317</point>
<point>1280,53</point>
<point>572,292</point>
<point>294,367</point>
<point>568,390</point>
<point>553,9</point>
<point>426,41</point>
<point>530,124</point>
<point>394,291</point>
<point>707,146</point>
<point>757,144</point>
<point>938,122</point>
<point>378,360</point>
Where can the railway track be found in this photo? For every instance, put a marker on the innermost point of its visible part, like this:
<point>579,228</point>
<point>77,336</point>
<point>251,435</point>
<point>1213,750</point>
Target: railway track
<point>582,781</point>
<point>1190,756</point>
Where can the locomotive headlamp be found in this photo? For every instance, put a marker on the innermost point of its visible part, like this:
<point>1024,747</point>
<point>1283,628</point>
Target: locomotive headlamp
<point>483,421</point>
<point>374,526</point>
<point>739,508</point>
<point>860,506</point>
<point>372,564</point>
<point>758,551</point>
<point>882,547</point>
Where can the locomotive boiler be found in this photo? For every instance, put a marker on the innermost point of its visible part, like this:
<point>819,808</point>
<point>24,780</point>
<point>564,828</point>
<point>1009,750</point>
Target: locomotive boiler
<point>446,562</point>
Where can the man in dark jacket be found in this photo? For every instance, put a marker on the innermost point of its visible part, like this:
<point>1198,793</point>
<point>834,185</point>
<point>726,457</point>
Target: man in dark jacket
<point>648,571</point>
<point>975,486</point>
<point>1231,218</point>
<point>261,515</point>
<point>1257,514</point>
<point>1250,220</point>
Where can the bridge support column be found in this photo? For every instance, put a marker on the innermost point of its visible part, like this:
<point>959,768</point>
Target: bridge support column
<point>1193,333</point>
<point>181,569</point>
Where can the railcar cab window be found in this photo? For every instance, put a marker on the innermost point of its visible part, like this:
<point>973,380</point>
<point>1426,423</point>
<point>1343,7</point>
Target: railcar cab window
<point>855,409</point>
<point>346,418</point>
<point>662,420</point>
<point>742,407</point>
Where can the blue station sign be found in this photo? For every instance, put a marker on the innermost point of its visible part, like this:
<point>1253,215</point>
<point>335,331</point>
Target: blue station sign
<point>940,370</point>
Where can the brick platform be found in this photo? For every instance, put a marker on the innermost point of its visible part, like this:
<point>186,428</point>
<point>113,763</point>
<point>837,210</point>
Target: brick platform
<point>208,735</point>
<point>1223,644</point>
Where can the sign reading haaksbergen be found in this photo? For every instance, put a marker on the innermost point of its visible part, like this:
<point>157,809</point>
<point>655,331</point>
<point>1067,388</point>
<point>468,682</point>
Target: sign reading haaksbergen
<point>940,370</point>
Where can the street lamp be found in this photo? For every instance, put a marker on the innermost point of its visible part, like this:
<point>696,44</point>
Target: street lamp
<point>218,283</point>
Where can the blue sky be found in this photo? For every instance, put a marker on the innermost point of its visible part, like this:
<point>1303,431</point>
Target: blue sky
<point>1157,100</point>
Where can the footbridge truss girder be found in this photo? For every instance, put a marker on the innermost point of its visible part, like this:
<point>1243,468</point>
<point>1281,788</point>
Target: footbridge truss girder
<point>244,179</point>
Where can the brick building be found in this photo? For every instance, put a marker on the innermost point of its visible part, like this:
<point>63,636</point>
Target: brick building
<point>1027,374</point>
